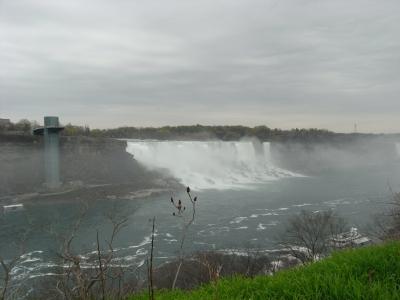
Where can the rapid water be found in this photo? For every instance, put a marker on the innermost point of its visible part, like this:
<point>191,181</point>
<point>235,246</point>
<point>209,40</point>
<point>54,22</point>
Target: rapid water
<point>210,165</point>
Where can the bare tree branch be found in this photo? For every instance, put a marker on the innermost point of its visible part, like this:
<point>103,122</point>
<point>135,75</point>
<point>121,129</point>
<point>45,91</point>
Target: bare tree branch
<point>186,224</point>
<point>309,235</point>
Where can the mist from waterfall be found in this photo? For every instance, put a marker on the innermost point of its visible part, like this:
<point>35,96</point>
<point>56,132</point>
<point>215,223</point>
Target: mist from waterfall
<point>212,164</point>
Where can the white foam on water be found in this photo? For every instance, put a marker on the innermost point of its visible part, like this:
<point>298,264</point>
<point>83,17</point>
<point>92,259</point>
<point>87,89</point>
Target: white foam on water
<point>213,231</point>
<point>301,205</point>
<point>169,241</point>
<point>238,220</point>
<point>264,215</point>
<point>341,201</point>
<point>261,227</point>
<point>141,251</point>
<point>210,165</point>
<point>241,227</point>
<point>146,240</point>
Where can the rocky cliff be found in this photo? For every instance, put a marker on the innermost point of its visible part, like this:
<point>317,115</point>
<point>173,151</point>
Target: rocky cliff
<point>84,162</point>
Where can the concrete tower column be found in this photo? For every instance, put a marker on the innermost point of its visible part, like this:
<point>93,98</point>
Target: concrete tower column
<point>51,131</point>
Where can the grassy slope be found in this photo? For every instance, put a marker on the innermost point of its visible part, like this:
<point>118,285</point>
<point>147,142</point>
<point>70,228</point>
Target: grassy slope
<point>367,273</point>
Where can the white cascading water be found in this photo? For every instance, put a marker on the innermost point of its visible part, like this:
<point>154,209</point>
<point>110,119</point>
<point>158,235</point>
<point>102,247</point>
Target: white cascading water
<point>210,165</point>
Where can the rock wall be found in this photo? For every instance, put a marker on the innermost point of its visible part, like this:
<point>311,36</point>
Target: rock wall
<point>21,164</point>
<point>83,160</point>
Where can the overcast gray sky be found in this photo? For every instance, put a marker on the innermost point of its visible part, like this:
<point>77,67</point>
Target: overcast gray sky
<point>300,63</point>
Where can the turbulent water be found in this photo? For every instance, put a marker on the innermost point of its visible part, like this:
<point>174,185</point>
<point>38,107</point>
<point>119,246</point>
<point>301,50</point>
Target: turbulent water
<point>244,200</point>
<point>210,165</point>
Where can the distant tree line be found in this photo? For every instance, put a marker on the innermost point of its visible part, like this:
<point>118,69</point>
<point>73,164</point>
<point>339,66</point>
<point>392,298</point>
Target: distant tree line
<point>23,126</point>
<point>192,132</point>
<point>200,132</point>
<point>26,127</point>
<point>225,133</point>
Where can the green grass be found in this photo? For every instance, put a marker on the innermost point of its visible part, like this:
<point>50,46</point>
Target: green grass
<point>368,273</point>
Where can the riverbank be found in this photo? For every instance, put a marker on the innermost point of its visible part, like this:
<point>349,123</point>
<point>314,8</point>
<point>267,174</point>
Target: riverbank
<point>367,273</point>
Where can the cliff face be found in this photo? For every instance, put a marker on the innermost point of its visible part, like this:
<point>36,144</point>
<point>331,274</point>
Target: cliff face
<point>88,161</point>
<point>21,164</point>
<point>97,161</point>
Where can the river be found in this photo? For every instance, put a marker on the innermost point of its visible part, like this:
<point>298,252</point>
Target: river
<point>244,200</point>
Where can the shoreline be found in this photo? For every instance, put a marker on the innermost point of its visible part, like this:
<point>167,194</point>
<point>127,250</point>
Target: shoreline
<point>92,192</point>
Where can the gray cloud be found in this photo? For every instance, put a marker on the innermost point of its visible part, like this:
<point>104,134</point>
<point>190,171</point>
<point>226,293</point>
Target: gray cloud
<point>303,63</point>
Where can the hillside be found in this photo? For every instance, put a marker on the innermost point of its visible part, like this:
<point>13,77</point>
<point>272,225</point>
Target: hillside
<point>367,273</point>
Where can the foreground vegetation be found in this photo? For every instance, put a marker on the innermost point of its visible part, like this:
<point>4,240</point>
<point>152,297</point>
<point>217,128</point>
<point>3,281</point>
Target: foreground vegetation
<point>368,273</point>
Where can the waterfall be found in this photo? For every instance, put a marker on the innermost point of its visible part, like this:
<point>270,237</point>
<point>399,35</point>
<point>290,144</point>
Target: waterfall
<point>211,164</point>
